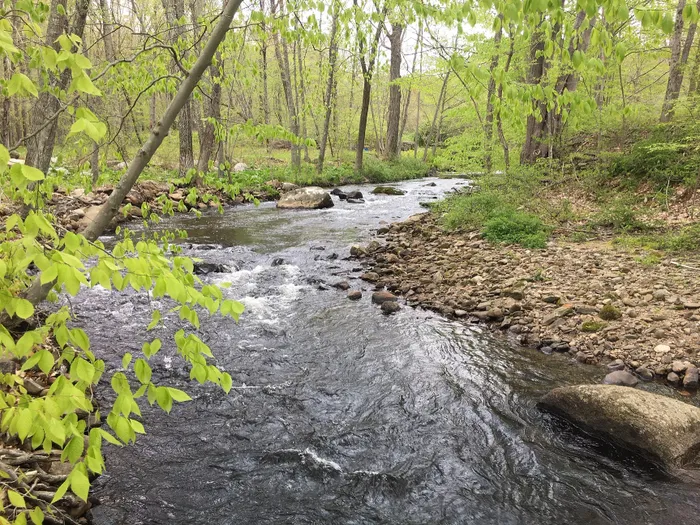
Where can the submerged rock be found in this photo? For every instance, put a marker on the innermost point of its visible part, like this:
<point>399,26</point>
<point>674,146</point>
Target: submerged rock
<point>383,297</point>
<point>354,295</point>
<point>390,307</point>
<point>660,428</point>
<point>312,197</point>
<point>387,190</point>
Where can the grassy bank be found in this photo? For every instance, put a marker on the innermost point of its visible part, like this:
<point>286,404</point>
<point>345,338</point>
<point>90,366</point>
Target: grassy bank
<point>644,198</point>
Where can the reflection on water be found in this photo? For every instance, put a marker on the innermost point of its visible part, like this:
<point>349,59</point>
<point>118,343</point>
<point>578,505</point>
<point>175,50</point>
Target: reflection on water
<point>342,415</point>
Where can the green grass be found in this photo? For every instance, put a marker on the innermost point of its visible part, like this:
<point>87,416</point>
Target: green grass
<point>686,239</point>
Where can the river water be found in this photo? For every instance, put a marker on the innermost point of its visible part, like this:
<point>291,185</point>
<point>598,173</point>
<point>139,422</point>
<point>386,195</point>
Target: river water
<point>342,415</point>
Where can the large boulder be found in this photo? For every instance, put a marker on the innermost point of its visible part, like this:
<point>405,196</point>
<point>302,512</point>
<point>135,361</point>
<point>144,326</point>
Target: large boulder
<point>312,197</point>
<point>660,428</point>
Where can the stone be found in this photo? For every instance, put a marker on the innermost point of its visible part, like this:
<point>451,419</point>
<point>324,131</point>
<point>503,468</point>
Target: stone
<point>679,366</point>
<point>460,313</point>
<point>661,294</point>
<point>645,374</point>
<point>387,190</point>
<point>371,277</point>
<point>390,307</point>
<point>621,378</point>
<point>383,297</point>
<point>355,195</point>
<point>617,364</point>
<point>342,285</point>
<point>239,167</point>
<point>354,295</point>
<point>8,366</point>
<point>278,261</point>
<point>204,268</point>
<point>673,378</point>
<point>357,251</point>
<point>690,381</point>
<point>662,349</point>
<point>288,186</point>
<point>88,217</point>
<point>310,198</point>
<point>657,427</point>
<point>494,314</point>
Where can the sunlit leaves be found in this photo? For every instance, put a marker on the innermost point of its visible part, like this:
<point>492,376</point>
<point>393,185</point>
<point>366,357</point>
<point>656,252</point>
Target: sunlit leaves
<point>21,84</point>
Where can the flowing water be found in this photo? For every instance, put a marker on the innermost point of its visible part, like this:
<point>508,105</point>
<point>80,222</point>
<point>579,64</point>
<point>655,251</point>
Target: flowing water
<point>342,415</point>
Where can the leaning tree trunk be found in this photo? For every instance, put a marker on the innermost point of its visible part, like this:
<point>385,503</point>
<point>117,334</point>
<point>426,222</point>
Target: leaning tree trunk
<point>394,117</point>
<point>37,292</point>
<point>330,86</point>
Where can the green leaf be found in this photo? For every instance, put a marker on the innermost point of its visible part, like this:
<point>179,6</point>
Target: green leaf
<point>16,499</point>
<point>25,421</point>
<point>80,484</point>
<point>143,371</point>
<point>23,308</point>
<point>80,338</point>
<point>126,360</point>
<point>155,319</point>
<point>37,516</point>
<point>4,158</point>
<point>667,24</point>
<point>31,173</point>
<point>164,399</point>
<point>178,395</point>
<point>46,361</point>
<point>61,491</point>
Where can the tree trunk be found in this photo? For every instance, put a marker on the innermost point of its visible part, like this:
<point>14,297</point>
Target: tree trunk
<point>434,134</point>
<point>40,146</point>
<point>490,96</point>
<point>499,119</point>
<point>37,292</point>
<point>174,11</point>
<point>264,96</point>
<point>301,89</point>
<point>282,54</point>
<point>535,127</point>
<point>207,138</point>
<point>695,72</point>
<point>394,117</point>
<point>407,101</point>
<point>675,74</point>
<point>367,71</point>
<point>330,88</point>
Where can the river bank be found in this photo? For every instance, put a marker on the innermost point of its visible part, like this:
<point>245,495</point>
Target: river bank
<point>599,304</point>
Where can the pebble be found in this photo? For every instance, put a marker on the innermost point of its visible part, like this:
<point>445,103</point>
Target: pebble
<point>390,307</point>
<point>617,364</point>
<point>382,297</point>
<point>354,295</point>
<point>673,378</point>
<point>690,381</point>
<point>645,374</point>
<point>621,378</point>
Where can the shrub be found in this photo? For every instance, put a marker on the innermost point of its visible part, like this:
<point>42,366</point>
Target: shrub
<point>516,227</point>
<point>620,216</point>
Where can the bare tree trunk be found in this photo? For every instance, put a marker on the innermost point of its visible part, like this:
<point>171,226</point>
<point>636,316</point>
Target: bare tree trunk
<point>282,53</point>
<point>264,96</point>
<point>207,138</point>
<point>490,93</point>
<point>38,292</point>
<point>330,87</point>
<point>695,72</point>
<point>394,118</point>
<point>675,74</point>
<point>367,71</point>
<point>174,11</point>
<point>302,110</point>
<point>679,58</point>
<point>434,134</point>
<point>535,127</point>
<point>499,119</point>
<point>407,101</point>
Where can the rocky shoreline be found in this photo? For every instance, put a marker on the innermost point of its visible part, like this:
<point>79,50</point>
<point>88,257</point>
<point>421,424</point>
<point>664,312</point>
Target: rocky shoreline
<point>598,304</point>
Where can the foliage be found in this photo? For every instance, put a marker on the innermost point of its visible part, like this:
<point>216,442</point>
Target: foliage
<point>685,239</point>
<point>516,227</point>
<point>670,156</point>
<point>619,215</point>
<point>592,326</point>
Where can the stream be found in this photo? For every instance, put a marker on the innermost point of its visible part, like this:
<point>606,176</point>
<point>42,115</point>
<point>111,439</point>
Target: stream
<point>342,415</point>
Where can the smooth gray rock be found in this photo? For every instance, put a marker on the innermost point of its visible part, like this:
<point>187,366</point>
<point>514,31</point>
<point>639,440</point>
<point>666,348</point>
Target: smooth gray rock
<point>621,378</point>
<point>660,428</point>
<point>310,198</point>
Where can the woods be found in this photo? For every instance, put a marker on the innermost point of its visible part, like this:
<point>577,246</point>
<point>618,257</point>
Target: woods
<point>215,101</point>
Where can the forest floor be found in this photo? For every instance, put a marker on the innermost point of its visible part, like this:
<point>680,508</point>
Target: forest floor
<point>628,299</point>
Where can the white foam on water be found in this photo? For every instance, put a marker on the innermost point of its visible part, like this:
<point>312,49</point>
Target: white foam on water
<point>322,462</point>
